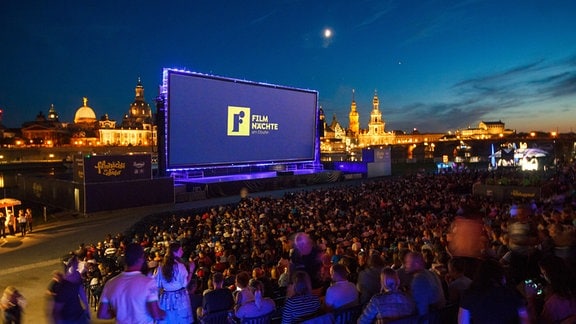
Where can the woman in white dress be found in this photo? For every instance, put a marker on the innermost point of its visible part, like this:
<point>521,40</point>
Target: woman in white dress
<point>172,277</point>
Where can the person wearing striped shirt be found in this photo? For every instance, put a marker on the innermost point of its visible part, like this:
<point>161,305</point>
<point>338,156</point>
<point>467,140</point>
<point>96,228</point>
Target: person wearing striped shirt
<point>300,302</point>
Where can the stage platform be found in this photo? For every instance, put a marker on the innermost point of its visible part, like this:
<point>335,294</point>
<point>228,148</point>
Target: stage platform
<point>228,185</point>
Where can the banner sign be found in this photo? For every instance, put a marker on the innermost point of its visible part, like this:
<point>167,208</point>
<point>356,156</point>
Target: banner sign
<point>112,168</point>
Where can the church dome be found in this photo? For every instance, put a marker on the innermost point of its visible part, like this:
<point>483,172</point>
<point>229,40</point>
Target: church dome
<point>84,114</point>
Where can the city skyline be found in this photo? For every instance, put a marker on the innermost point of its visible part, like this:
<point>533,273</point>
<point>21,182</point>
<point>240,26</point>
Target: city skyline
<point>436,65</point>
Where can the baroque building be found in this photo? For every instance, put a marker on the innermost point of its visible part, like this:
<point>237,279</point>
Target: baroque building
<point>376,133</point>
<point>485,130</point>
<point>84,128</point>
<point>137,127</point>
<point>354,125</point>
<point>336,139</point>
<point>45,130</point>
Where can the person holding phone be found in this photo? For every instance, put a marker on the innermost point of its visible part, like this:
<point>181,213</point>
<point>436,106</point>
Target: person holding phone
<point>559,294</point>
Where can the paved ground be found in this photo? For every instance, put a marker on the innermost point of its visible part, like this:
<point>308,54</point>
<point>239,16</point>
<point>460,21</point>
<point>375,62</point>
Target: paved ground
<point>28,262</point>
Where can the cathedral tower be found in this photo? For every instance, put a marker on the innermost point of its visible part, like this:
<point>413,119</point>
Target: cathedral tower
<point>140,113</point>
<point>354,125</point>
<point>376,124</point>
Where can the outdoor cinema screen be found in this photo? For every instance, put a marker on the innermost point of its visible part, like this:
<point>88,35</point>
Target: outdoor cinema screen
<point>215,121</point>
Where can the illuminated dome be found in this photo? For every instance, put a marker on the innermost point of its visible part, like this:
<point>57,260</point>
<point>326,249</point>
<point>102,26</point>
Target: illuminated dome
<point>85,114</point>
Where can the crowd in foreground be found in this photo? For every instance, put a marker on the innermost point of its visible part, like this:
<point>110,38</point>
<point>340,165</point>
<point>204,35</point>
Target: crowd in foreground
<point>413,246</point>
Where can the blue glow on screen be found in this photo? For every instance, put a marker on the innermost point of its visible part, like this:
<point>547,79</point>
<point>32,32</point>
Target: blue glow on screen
<point>214,121</point>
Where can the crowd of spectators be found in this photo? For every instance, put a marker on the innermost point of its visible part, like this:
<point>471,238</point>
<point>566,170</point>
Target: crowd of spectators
<point>429,228</point>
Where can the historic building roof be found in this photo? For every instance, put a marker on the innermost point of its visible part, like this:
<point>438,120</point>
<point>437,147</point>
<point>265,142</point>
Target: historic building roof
<point>84,114</point>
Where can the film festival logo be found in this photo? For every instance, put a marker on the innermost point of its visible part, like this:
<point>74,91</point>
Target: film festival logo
<point>238,121</point>
<point>242,123</point>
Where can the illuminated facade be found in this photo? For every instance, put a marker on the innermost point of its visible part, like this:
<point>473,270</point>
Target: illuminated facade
<point>85,115</point>
<point>337,139</point>
<point>376,133</point>
<point>485,130</point>
<point>354,117</point>
<point>45,130</point>
<point>136,129</point>
<point>137,126</point>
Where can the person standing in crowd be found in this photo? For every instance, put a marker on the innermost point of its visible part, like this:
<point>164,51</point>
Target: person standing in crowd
<point>457,280</point>
<point>426,288</point>
<point>300,302</point>
<point>390,303</point>
<point>306,256</point>
<point>172,277</point>
<point>369,278</point>
<point>489,300</point>
<point>70,303</point>
<point>560,295</point>
<point>403,274</point>
<point>522,240</point>
<point>131,297</point>
<point>467,237</point>
<point>11,222</point>
<point>2,225</point>
<point>195,297</point>
<point>22,222</point>
<point>12,303</point>
<point>29,219</point>
<point>342,293</point>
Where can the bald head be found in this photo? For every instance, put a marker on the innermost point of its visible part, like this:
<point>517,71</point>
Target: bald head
<point>303,243</point>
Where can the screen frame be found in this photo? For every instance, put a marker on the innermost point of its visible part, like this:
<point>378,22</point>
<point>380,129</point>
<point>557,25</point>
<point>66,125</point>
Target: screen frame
<point>312,146</point>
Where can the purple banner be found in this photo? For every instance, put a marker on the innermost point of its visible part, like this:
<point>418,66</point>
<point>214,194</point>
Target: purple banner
<point>111,168</point>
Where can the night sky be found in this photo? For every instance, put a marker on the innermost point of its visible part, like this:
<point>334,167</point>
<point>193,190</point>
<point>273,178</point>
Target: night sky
<point>436,65</point>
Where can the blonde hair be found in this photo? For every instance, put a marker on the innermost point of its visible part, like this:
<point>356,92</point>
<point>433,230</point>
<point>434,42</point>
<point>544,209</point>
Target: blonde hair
<point>389,280</point>
<point>301,284</point>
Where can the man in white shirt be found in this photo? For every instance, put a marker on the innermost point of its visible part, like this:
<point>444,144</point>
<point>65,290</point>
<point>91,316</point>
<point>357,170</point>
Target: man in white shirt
<point>131,297</point>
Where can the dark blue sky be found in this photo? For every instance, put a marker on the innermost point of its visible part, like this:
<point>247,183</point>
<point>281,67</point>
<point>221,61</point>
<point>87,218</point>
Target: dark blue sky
<point>436,65</point>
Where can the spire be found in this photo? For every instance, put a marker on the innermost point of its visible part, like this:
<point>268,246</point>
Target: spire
<point>85,100</point>
<point>353,116</point>
<point>52,114</point>
<point>139,90</point>
<point>353,104</point>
